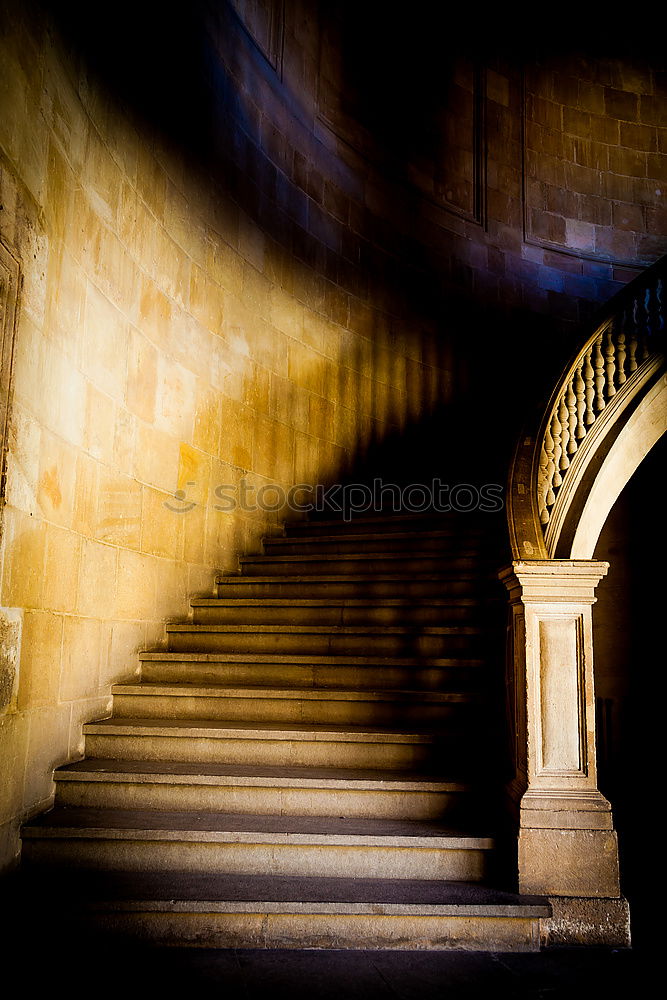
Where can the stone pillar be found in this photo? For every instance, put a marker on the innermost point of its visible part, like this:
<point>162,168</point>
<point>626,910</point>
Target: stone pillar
<point>567,843</point>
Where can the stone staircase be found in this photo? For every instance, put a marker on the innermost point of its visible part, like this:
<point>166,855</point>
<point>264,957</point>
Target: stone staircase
<point>313,762</point>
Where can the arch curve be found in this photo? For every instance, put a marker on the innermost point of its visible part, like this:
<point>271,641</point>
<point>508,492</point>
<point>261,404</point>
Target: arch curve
<point>643,429</point>
<point>605,414</point>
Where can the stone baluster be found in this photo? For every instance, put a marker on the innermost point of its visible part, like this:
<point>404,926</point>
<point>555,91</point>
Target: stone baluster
<point>564,417</point>
<point>632,353</point>
<point>589,388</point>
<point>571,403</point>
<point>609,364</point>
<point>620,357</point>
<point>549,449</point>
<point>556,434</point>
<point>580,397</point>
<point>598,365</point>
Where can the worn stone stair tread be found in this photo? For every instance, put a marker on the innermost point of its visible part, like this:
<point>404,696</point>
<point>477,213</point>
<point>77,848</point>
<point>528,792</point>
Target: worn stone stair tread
<point>224,729</point>
<point>121,824</point>
<point>183,772</point>
<point>427,544</point>
<point>424,576</point>
<point>154,889</point>
<point>356,556</point>
<point>331,602</point>
<point>311,659</point>
<point>249,691</point>
<point>389,518</point>
<point>409,630</point>
<point>362,536</point>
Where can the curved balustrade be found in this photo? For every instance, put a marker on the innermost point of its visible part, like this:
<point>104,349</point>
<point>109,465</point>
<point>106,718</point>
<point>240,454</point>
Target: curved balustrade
<point>613,368</point>
<point>607,410</point>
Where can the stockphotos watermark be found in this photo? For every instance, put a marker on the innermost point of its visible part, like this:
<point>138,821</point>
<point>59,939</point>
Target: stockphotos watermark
<point>348,499</point>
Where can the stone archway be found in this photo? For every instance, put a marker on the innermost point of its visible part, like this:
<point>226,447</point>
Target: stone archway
<point>605,414</point>
<point>644,428</point>
<point>628,645</point>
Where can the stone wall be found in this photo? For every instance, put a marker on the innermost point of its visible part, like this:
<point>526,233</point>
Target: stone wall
<point>166,346</point>
<point>595,141</point>
<point>232,270</point>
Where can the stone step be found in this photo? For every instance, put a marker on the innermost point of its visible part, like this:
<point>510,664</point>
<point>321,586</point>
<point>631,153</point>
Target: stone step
<point>351,585</point>
<point>372,563</point>
<point>268,911</point>
<point>468,524</point>
<point>325,639</point>
<point>243,844</point>
<point>308,765</point>
<point>293,670</point>
<point>324,706</point>
<point>269,790</point>
<point>285,745</point>
<point>332,611</point>
<point>444,543</point>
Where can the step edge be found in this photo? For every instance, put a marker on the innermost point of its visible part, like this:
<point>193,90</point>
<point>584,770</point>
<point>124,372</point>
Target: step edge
<point>287,629</point>
<point>307,659</point>
<point>257,781</point>
<point>161,835</point>
<point>333,602</point>
<point>370,908</point>
<point>148,689</point>
<point>162,727</point>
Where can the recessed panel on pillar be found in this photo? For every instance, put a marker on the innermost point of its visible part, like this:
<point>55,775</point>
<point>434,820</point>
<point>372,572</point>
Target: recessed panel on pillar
<point>562,748</point>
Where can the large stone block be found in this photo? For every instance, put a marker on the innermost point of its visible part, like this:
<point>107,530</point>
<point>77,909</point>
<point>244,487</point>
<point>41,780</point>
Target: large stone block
<point>136,586</point>
<point>61,568</point>
<point>82,653</point>
<point>97,579</point>
<point>601,922</point>
<point>569,863</point>
<point>41,647</point>
<point>118,510</point>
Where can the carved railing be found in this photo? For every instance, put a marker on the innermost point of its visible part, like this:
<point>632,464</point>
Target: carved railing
<point>609,371</point>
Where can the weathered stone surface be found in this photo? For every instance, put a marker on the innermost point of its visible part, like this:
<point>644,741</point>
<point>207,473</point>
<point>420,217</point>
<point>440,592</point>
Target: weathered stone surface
<point>569,862</point>
<point>601,922</point>
<point>10,644</point>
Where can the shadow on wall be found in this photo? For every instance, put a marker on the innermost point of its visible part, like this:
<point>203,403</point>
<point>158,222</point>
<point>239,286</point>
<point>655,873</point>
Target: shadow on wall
<point>170,75</point>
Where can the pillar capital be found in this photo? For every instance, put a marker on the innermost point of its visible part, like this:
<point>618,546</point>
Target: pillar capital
<point>553,580</point>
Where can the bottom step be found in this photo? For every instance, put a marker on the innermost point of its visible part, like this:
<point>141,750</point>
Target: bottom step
<point>213,911</point>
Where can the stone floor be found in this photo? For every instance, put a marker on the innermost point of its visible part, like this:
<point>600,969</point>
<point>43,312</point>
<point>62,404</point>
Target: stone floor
<point>53,950</point>
<point>406,975</point>
<point>333,975</point>
<point>75,962</point>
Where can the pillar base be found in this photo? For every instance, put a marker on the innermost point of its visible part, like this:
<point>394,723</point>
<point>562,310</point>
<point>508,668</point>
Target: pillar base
<point>577,920</point>
<point>565,809</point>
<point>569,863</point>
